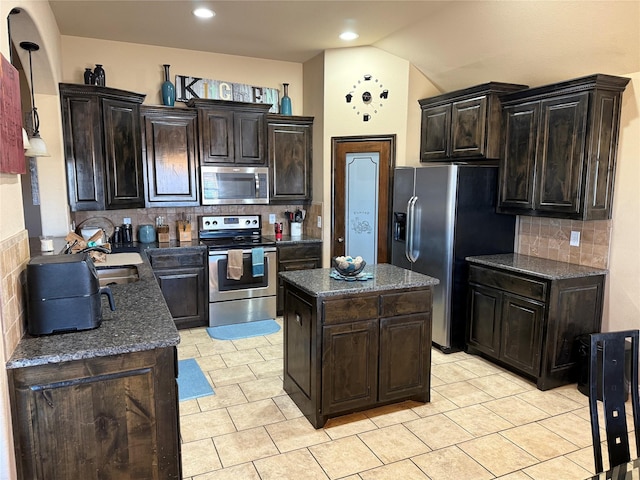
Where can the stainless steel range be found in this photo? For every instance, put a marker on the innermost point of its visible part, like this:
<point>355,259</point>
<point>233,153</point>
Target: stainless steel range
<point>253,296</point>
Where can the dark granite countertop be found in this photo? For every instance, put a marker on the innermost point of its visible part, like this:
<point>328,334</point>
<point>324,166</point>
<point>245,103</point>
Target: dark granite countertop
<point>540,267</point>
<point>141,321</point>
<point>289,240</point>
<point>318,283</point>
<point>59,243</point>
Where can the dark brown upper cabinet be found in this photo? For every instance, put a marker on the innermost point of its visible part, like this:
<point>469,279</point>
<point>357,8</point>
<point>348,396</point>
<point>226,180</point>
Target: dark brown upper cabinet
<point>231,132</point>
<point>290,156</point>
<point>102,147</point>
<point>464,124</point>
<point>559,149</point>
<point>170,154</point>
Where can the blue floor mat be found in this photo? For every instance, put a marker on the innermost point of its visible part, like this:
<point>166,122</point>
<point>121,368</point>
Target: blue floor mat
<point>243,330</point>
<point>192,383</point>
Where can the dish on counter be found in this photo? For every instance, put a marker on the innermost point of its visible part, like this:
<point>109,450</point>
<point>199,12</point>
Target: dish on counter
<point>362,276</point>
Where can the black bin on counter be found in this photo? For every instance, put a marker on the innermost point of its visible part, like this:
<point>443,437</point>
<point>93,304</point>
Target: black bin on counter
<point>582,343</point>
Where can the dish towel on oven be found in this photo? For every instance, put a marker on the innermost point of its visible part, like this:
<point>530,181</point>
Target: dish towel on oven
<point>257,261</point>
<point>234,264</point>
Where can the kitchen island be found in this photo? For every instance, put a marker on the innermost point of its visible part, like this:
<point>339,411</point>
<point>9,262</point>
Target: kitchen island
<point>101,403</point>
<point>354,345</point>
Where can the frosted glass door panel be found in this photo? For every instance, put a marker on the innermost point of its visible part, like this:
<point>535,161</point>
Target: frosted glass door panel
<point>361,215</point>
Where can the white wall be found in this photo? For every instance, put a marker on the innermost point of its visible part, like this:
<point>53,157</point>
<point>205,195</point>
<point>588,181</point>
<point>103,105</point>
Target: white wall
<point>622,302</point>
<point>399,114</point>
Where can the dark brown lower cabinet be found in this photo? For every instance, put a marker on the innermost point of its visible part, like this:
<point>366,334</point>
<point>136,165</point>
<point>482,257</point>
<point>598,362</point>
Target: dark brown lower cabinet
<point>529,323</point>
<point>297,256</point>
<point>353,352</point>
<point>103,417</point>
<point>182,274</point>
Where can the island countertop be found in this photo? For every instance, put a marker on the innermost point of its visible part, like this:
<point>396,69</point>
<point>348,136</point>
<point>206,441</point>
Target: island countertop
<point>318,283</point>
<point>541,267</point>
<point>141,321</point>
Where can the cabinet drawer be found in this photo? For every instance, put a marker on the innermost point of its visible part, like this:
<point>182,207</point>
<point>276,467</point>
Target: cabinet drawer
<point>302,264</point>
<point>405,303</point>
<point>509,282</point>
<point>298,252</point>
<point>173,260</point>
<point>350,309</point>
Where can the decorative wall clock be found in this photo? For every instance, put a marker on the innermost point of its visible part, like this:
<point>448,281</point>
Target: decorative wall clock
<point>367,97</point>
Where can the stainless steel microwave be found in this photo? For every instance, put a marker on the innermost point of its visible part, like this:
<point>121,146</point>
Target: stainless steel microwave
<point>234,185</point>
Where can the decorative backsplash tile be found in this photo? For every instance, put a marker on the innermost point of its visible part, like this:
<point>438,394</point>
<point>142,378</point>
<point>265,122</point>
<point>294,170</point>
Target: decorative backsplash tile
<point>549,238</point>
<point>14,253</point>
<point>172,215</point>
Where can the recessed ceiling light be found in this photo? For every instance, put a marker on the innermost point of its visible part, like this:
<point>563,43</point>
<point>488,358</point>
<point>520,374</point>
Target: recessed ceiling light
<point>204,13</point>
<point>348,36</point>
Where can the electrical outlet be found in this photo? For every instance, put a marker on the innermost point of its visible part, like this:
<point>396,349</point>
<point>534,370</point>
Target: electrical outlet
<point>126,220</point>
<point>319,221</point>
<point>272,218</point>
<point>575,239</point>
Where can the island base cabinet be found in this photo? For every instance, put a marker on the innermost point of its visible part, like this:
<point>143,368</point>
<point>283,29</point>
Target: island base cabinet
<point>104,417</point>
<point>349,366</point>
<point>348,353</point>
<point>405,357</point>
<point>299,378</point>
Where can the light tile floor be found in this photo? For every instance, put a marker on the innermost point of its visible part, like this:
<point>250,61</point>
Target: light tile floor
<point>483,422</point>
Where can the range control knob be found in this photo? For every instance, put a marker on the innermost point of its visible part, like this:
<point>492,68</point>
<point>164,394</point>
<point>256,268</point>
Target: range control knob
<point>215,222</point>
<point>247,222</point>
<point>255,222</point>
<point>207,223</point>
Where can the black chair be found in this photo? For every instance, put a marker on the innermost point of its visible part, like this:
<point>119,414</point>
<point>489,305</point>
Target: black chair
<point>607,360</point>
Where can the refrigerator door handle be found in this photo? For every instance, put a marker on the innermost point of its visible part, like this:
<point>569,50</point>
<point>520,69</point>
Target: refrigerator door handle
<point>411,225</point>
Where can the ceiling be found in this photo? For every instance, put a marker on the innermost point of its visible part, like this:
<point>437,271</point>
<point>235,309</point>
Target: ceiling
<point>453,43</point>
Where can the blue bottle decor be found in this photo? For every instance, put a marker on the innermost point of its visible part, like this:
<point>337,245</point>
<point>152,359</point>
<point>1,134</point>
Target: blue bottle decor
<point>168,89</point>
<point>285,103</point>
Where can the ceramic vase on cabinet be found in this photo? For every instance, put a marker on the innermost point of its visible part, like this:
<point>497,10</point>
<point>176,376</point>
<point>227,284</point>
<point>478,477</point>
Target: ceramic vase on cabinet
<point>285,103</point>
<point>88,76</point>
<point>99,76</point>
<point>168,89</point>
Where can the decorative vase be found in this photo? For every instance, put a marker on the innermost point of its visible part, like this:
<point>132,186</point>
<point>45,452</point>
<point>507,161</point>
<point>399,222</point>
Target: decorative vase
<point>285,103</point>
<point>99,77</point>
<point>168,89</point>
<point>88,76</point>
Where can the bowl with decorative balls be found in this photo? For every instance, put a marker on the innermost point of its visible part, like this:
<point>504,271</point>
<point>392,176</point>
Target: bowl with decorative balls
<point>349,266</point>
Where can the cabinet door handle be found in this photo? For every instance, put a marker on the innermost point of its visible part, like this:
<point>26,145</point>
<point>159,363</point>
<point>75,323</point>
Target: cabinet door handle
<point>298,319</point>
<point>47,397</point>
<point>340,239</point>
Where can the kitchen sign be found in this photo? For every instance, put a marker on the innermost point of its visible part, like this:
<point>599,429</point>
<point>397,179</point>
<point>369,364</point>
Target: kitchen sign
<point>194,87</point>
<point>11,150</point>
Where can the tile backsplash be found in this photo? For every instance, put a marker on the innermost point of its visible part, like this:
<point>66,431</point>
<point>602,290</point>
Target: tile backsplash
<point>549,238</point>
<point>14,252</point>
<point>171,215</point>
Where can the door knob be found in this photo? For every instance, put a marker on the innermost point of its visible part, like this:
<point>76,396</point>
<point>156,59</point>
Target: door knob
<point>340,239</point>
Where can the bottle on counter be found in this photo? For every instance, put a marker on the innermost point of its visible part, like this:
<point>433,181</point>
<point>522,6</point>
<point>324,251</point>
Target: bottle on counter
<point>127,233</point>
<point>117,236</point>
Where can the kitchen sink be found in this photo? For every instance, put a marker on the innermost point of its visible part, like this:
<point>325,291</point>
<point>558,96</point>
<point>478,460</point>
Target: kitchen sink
<point>117,275</point>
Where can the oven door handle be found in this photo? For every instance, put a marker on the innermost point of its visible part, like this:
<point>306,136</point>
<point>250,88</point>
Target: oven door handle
<point>244,251</point>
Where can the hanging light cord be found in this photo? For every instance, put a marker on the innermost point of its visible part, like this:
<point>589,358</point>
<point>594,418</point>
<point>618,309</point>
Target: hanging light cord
<point>34,111</point>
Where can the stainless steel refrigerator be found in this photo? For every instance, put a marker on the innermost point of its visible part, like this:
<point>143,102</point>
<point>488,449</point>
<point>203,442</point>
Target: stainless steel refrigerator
<point>443,213</point>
